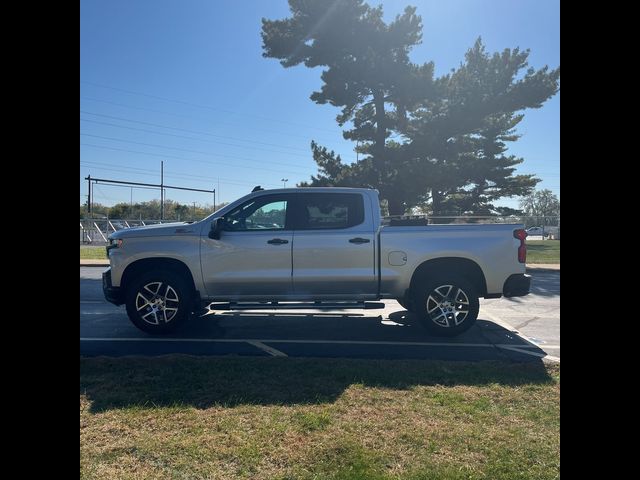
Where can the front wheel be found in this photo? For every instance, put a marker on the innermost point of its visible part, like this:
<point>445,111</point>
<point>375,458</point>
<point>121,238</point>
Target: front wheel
<point>158,301</point>
<point>446,306</point>
<point>405,303</point>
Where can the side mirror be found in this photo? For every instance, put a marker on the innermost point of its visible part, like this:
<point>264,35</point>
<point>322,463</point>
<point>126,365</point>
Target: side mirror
<point>216,228</point>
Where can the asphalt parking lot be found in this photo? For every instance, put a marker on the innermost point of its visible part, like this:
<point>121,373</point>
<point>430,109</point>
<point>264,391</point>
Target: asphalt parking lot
<point>519,329</point>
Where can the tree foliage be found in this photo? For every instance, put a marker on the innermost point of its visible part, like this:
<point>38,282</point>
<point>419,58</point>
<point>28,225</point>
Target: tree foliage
<point>450,134</point>
<point>97,208</point>
<point>460,134</point>
<point>151,211</point>
<point>368,74</point>
<point>543,205</point>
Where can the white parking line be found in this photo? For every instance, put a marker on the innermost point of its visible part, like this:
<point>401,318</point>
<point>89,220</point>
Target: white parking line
<point>535,354</point>
<point>253,341</point>
<point>517,348</point>
<point>267,348</point>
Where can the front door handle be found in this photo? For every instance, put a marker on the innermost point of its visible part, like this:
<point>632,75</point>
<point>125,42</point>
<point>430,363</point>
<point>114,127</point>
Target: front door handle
<point>277,241</point>
<point>359,240</point>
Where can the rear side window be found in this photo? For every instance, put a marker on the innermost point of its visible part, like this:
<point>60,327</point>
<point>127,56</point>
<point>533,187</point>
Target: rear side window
<point>329,210</point>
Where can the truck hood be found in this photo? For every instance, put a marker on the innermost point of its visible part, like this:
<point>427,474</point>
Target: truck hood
<point>158,230</point>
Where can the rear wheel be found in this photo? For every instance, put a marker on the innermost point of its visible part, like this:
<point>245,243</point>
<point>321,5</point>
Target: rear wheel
<point>446,305</point>
<point>159,301</point>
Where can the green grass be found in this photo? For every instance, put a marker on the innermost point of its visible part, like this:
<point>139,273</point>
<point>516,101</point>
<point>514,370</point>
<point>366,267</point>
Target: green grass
<point>285,418</point>
<point>543,251</point>
<point>87,252</point>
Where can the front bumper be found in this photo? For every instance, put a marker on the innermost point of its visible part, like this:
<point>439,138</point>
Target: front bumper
<point>113,294</point>
<point>517,285</point>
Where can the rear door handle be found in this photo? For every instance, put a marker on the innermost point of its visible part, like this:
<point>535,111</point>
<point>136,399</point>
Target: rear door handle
<point>277,241</point>
<point>359,240</point>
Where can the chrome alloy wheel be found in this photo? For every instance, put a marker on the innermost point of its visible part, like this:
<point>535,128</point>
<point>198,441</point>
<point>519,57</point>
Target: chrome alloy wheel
<point>157,302</point>
<point>447,306</point>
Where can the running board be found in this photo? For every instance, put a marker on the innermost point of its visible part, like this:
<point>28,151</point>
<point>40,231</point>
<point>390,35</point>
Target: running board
<point>295,305</point>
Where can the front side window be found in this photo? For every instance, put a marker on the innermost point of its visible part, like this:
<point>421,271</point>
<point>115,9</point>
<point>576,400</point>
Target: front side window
<point>330,211</point>
<point>262,213</point>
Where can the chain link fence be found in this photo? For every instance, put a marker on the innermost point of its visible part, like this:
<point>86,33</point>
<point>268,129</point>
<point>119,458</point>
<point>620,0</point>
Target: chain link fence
<point>96,231</point>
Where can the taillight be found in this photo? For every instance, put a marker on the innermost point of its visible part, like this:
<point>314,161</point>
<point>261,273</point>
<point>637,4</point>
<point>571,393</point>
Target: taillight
<point>521,234</point>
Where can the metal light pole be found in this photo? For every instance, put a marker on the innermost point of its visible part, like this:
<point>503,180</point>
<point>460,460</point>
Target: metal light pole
<point>284,182</point>
<point>162,190</point>
<point>89,196</point>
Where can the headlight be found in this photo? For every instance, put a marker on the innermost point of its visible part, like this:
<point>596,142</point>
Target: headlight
<point>114,243</point>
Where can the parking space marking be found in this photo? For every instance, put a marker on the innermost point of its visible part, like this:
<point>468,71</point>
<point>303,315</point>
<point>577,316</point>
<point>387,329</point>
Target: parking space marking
<point>274,340</point>
<point>271,351</point>
<point>517,348</point>
<point>535,354</point>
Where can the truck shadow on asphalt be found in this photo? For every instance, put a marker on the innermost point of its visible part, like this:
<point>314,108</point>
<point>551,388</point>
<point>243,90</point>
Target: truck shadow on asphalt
<point>353,335</point>
<point>204,382</point>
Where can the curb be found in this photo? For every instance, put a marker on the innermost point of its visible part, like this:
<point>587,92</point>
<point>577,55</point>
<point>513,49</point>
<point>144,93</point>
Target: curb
<point>94,263</point>
<point>550,267</point>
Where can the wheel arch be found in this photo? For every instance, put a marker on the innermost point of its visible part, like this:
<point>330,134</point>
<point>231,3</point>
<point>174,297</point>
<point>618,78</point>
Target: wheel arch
<point>160,263</point>
<point>463,266</point>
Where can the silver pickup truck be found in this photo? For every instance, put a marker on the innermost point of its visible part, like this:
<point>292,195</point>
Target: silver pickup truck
<point>318,247</point>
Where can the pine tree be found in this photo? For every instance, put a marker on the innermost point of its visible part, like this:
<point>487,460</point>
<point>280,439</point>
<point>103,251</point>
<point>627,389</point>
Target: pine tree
<point>368,75</point>
<point>449,146</point>
<point>459,135</point>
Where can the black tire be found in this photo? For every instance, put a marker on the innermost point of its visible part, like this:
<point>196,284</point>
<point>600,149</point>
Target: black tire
<point>167,290</point>
<point>406,304</point>
<point>438,312</point>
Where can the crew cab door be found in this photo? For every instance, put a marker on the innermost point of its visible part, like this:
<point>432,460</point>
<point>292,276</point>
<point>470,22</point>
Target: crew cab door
<point>253,255</point>
<point>333,246</point>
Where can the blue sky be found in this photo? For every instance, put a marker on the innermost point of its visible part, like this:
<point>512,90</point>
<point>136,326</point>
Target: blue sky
<point>185,82</point>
